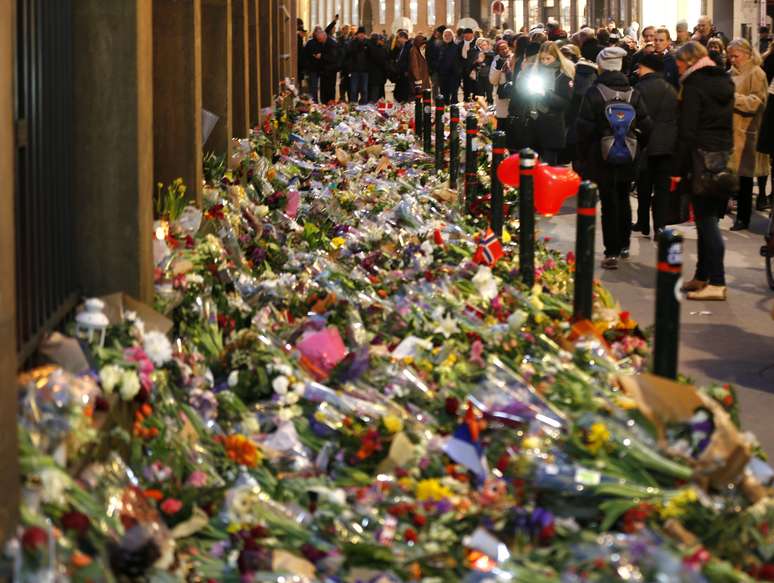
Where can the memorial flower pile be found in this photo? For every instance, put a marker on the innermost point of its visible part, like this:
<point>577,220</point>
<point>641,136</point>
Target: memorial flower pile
<point>348,392</point>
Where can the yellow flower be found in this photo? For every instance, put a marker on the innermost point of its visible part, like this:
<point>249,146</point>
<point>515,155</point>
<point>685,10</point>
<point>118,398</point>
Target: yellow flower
<point>506,236</point>
<point>406,483</point>
<point>408,360</point>
<point>531,442</point>
<point>597,437</point>
<point>337,242</point>
<point>626,403</point>
<point>392,423</point>
<point>535,302</point>
<point>676,506</point>
<point>431,490</point>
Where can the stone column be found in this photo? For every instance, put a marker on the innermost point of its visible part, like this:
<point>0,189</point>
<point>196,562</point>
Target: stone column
<point>113,146</point>
<point>177,91</point>
<point>254,50</point>
<point>9,452</point>
<point>216,71</point>
<point>268,59</point>
<point>240,93</point>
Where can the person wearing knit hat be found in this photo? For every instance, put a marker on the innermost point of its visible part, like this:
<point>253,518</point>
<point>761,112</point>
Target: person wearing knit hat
<point>357,63</point>
<point>609,106</point>
<point>611,59</point>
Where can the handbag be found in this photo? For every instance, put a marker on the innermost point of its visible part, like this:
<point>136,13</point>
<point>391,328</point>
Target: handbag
<point>678,205</point>
<point>711,175</point>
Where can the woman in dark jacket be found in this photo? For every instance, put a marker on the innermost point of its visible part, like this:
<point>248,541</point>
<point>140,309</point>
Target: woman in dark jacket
<point>706,125</point>
<point>483,64</point>
<point>449,71</point>
<point>549,85</point>
<point>377,68</point>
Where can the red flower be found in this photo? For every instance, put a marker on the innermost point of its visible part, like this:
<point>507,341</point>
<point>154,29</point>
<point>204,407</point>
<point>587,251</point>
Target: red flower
<point>624,316</point>
<point>410,536</point>
<point>451,405</point>
<point>419,520</point>
<point>570,258</point>
<point>171,506</point>
<point>34,539</point>
<point>766,572</point>
<point>728,401</point>
<point>76,521</point>
<point>502,462</point>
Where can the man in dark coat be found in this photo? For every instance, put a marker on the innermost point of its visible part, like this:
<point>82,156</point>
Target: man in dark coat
<point>377,67</point>
<point>321,55</point>
<point>358,63</point>
<point>613,179</point>
<point>300,37</point>
<point>433,54</point>
<point>585,74</point>
<point>400,68</point>
<point>656,164</point>
<point>662,46</point>
<point>468,56</point>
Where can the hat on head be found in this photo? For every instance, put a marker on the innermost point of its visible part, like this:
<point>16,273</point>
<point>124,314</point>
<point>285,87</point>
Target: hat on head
<point>532,49</point>
<point>611,59</point>
<point>467,31</point>
<point>652,61</point>
<point>590,50</point>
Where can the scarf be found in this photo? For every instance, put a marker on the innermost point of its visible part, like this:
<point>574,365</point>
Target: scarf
<point>700,64</point>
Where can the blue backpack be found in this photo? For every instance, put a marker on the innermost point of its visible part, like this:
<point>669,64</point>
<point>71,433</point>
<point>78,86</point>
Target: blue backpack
<point>619,146</point>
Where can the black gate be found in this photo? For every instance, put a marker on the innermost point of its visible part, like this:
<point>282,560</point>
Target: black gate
<point>46,288</point>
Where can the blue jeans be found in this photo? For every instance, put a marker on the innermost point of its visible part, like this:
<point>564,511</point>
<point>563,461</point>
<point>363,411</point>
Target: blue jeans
<point>314,86</point>
<point>358,85</point>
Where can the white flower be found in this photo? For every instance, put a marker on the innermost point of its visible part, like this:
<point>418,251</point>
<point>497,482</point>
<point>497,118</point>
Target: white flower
<point>130,315</point>
<point>447,326</point>
<point>110,376</point>
<point>299,388</point>
<point>54,483</point>
<point>250,425</point>
<point>194,279</point>
<point>517,319</point>
<point>233,379</point>
<point>130,385</point>
<point>485,283</point>
<point>261,211</point>
<point>427,247</point>
<point>280,385</point>
<point>158,347</point>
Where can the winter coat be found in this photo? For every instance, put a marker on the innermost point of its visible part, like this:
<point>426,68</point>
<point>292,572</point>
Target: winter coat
<point>419,72</point>
<point>671,74</point>
<point>499,77</point>
<point>706,116</point>
<point>483,86</point>
<point>434,46</point>
<point>328,63</point>
<point>768,66</point>
<point>358,58</point>
<point>592,126</point>
<point>585,74</point>
<point>661,102</point>
<point>766,135</point>
<point>749,107</point>
<point>468,65</point>
<point>546,114</point>
<point>448,63</point>
<point>377,63</point>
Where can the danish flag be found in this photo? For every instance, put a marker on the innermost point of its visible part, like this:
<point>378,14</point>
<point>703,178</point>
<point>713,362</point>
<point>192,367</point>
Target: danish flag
<point>490,250</point>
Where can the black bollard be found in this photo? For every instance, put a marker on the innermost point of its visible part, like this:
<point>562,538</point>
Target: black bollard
<point>471,161</point>
<point>439,110</point>
<point>418,111</point>
<point>666,337</point>
<point>584,251</point>
<point>527,216</point>
<point>496,212</point>
<point>427,118</point>
<point>454,146</point>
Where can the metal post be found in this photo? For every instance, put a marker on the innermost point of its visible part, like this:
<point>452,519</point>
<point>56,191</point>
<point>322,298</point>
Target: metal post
<point>471,161</point>
<point>498,153</point>
<point>454,146</point>
<point>584,251</point>
<point>670,269</point>
<point>427,118</point>
<point>439,110</point>
<point>417,111</point>
<point>527,216</point>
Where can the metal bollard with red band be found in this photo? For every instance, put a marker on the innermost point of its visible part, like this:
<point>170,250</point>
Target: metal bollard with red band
<point>528,161</point>
<point>454,145</point>
<point>439,147</point>
<point>584,251</point>
<point>668,297</point>
<point>418,111</point>
<point>471,161</point>
<point>496,211</point>
<point>427,120</point>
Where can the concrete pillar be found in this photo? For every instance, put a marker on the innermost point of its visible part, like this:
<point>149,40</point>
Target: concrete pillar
<point>216,71</point>
<point>177,93</point>
<point>113,145</point>
<point>268,60</point>
<point>254,50</point>
<point>240,93</point>
<point>9,452</point>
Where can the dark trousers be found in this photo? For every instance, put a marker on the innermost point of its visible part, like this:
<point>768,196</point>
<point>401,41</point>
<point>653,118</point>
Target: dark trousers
<point>314,86</point>
<point>653,186</point>
<point>402,91</point>
<point>344,86</point>
<point>468,88</point>
<point>550,157</point>
<point>327,87</point>
<point>450,89</point>
<point>358,87</point>
<point>375,92</point>
<point>710,246</point>
<point>616,216</point>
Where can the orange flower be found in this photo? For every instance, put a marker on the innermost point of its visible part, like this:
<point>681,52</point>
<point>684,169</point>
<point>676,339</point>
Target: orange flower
<point>154,494</point>
<point>242,450</point>
<point>80,560</point>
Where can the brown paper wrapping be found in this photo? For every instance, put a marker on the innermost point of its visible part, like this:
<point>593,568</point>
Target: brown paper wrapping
<point>663,401</point>
<point>116,304</point>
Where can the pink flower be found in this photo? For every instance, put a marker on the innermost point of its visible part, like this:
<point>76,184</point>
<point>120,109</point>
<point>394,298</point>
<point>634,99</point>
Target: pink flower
<point>197,479</point>
<point>549,264</point>
<point>476,352</point>
<point>171,506</point>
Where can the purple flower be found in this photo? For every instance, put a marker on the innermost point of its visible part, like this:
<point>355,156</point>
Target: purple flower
<point>205,402</point>
<point>258,254</point>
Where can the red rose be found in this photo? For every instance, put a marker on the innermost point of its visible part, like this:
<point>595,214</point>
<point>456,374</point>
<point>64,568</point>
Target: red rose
<point>34,539</point>
<point>419,520</point>
<point>76,521</point>
<point>410,536</point>
<point>171,506</point>
<point>451,405</point>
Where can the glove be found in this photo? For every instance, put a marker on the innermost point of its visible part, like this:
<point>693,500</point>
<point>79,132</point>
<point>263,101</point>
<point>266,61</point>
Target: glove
<point>499,64</point>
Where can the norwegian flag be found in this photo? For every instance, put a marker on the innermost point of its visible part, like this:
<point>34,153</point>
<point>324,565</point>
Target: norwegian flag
<point>490,250</point>
<point>385,107</point>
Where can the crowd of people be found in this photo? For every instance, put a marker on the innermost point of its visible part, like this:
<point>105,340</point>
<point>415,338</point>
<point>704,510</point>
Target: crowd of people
<point>633,110</point>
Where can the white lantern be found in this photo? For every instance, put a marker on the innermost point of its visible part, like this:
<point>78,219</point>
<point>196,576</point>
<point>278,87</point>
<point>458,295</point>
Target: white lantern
<point>92,320</point>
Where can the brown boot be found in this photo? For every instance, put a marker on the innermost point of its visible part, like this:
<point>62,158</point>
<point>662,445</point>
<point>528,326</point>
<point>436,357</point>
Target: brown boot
<point>716,293</point>
<point>694,285</point>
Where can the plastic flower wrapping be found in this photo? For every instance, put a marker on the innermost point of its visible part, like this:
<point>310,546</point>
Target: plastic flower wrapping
<point>348,393</point>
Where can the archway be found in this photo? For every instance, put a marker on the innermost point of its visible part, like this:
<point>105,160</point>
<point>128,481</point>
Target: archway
<point>367,19</point>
